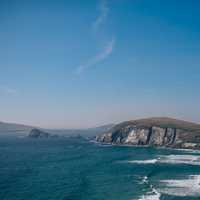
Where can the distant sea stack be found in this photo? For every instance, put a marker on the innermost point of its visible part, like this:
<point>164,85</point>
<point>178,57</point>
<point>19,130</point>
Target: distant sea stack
<point>161,132</point>
<point>37,133</point>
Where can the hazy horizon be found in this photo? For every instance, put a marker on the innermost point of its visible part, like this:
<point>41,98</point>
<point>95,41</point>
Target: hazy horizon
<point>98,125</point>
<point>69,64</point>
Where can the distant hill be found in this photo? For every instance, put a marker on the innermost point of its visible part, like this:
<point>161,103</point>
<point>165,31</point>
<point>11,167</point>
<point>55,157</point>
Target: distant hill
<point>157,131</point>
<point>12,129</point>
<point>163,122</point>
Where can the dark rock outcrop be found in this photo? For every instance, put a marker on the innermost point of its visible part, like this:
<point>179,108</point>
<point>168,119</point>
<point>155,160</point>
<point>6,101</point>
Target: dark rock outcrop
<point>37,133</point>
<point>165,132</point>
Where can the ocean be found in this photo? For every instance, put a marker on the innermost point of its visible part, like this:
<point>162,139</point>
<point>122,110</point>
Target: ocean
<point>77,169</point>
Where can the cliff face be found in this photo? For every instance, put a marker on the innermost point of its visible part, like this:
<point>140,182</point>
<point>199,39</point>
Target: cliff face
<point>154,132</point>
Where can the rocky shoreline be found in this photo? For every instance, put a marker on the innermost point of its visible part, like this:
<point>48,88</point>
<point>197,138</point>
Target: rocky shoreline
<point>159,132</point>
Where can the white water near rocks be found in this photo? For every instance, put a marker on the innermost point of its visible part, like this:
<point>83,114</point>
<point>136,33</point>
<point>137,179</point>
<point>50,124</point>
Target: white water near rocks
<point>181,159</point>
<point>171,159</point>
<point>153,194</point>
<point>189,186</point>
<point>186,186</point>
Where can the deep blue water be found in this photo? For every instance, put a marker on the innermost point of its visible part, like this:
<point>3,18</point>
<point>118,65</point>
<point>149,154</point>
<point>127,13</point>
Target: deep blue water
<point>75,169</point>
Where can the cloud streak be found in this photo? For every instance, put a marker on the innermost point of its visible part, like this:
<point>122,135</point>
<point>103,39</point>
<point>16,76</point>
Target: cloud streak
<point>108,49</point>
<point>103,15</point>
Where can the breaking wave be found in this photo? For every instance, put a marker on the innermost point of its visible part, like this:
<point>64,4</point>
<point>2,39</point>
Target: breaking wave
<point>182,187</point>
<point>153,194</point>
<point>151,161</point>
<point>171,159</point>
<point>187,187</point>
<point>180,159</point>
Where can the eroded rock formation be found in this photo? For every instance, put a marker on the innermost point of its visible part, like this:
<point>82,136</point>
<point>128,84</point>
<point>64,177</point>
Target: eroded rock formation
<point>154,132</point>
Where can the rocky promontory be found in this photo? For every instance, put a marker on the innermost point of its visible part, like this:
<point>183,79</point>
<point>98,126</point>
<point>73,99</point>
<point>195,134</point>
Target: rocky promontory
<point>37,133</point>
<point>163,132</point>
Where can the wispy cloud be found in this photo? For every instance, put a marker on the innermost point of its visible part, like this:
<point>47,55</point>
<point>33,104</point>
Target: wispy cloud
<point>102,16</point>
<point>108,49</point>
<point>7,90</point>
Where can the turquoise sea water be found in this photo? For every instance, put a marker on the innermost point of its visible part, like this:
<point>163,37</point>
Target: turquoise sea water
<point>76,169</point>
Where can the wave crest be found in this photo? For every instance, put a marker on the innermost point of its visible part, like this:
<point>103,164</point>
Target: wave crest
<point>182,187</point>
<point>171,159</point>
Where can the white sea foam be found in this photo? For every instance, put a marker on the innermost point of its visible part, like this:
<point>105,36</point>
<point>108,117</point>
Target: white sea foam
<point>182,187</point>
<point>180,159</point>
<point>145,179</point>
<point>152,161</point>
<point>187,187</point>
<point>153,195</point>
<point>171,159</point>
<point>194,151</point>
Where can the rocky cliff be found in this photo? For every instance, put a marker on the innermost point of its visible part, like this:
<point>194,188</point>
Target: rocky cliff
<point>165,132</point>
<point>37,133</point>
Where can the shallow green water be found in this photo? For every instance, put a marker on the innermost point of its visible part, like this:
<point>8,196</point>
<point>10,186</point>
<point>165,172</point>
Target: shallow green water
<point>75,169</point>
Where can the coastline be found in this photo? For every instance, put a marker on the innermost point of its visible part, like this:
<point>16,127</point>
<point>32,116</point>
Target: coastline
<point>145,146</point>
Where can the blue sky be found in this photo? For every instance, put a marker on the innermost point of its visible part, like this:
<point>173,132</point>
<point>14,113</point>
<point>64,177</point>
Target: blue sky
<point>73,64</point>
